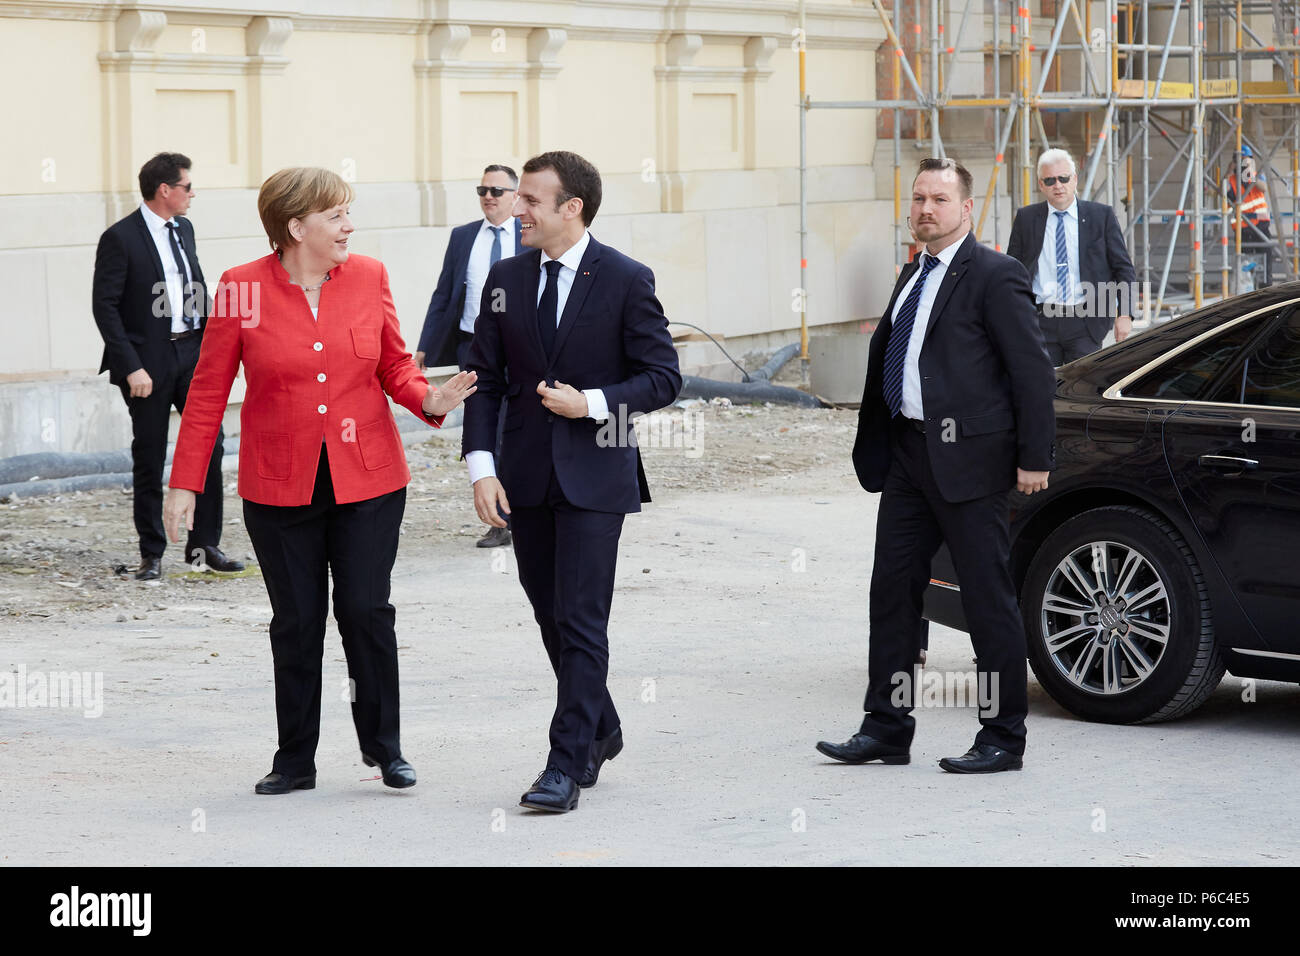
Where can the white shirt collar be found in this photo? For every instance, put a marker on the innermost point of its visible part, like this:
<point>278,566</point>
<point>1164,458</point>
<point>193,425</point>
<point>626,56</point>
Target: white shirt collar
<point>1071,211</point>
<point>155,222</point>
<point>505,227</point>
<point>572,257</point>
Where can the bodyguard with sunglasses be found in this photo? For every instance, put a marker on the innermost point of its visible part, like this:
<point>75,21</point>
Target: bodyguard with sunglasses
<point>473,249</point>
<point>1074,252</point>
<point>150,301</point>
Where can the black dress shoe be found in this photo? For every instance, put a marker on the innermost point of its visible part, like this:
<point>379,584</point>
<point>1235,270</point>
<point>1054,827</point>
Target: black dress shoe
<point>281,783</point>
<point>150,569</point>
<point>398,774</point>
<point>983,758</point>
<point>863,749</point>
<point>553,791</point>
<point>214,558</point>
<point>494,538</point>
<point>601,750</point>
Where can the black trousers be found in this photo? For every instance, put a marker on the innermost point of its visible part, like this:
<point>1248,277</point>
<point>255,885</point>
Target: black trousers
<point>913,520</point>
<point>297,547</point>
<point>566,558</point>
<point>1067,337</point>
<point>149,420</point>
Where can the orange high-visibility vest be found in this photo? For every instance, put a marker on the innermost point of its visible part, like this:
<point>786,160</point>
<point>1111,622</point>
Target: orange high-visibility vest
<point>1254,204</point>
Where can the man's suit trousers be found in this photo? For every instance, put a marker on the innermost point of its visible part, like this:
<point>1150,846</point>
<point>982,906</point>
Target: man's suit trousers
<point>914,519</point>
<point>150,418</point>
<point>566,559</point>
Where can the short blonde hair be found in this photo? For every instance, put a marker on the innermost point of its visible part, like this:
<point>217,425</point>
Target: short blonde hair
<point>296,193</point>
<point>1056,156</point>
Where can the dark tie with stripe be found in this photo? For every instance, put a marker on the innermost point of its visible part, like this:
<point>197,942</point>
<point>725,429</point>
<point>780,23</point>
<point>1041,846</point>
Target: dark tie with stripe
<point>900,334</point>
<point>546,319</point>
<point>1064,295</point>
<point>187,307</point>
<point>495,255</point>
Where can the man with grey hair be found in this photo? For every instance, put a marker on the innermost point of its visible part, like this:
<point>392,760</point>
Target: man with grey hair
<point>1073,250</point>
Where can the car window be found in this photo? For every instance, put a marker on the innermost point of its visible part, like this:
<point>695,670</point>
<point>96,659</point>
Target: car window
<point>1186,376</point>
<point>1270,374</point>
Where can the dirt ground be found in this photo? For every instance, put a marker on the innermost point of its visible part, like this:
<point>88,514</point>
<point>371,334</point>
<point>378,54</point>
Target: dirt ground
<point>738,639</point>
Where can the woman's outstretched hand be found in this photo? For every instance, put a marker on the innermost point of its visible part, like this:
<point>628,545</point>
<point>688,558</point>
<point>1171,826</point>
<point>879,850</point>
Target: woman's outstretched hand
<point>442,399</point>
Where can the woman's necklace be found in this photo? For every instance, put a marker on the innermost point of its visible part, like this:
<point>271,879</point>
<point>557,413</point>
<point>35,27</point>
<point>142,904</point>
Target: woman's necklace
<point>317,287</point>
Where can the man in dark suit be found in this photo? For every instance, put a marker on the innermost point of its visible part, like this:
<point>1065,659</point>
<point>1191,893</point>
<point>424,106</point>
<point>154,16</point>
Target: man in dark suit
<point>1082,276</point>
<point>956,411</point>
<point>572,336</point>
<point>471,251</point>
<point>150,302</point>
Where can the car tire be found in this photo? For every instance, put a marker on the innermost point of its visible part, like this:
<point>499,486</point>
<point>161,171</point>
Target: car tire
<point>1139,646</point>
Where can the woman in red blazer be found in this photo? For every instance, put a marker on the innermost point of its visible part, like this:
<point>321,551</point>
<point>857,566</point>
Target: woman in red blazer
<point>321,466</point>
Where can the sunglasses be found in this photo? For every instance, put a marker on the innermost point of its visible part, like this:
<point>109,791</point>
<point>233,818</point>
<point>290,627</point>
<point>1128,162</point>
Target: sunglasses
<point>188,187</point>
<point>1053,180</point>
<point>496,191</point>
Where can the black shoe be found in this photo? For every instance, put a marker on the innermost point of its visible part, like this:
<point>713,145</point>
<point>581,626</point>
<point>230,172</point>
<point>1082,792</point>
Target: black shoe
<point>280,783</point>
<point>863,749</point>
<point>494,538</point>
<point>553,791</point>
<point>398,774</point>
<point>983,758</point>
<point>150,569</point>
<point>601,750</point>
<point>213,558</point>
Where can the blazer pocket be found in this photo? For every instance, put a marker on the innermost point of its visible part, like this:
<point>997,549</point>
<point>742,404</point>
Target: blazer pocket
<point>1000,421</point>
<point>274,456</point>
<point>365,342</point>
<point>376,443</point>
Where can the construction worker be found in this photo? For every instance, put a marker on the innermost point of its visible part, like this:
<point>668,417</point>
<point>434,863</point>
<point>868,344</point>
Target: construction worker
<point>1254,209</point>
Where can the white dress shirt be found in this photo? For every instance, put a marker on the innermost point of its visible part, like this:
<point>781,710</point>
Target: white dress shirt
<point>480,260</point>
<point>175,281</point>
<point>1045,275</point>
<point>912,406</point>
<point>482,464</point>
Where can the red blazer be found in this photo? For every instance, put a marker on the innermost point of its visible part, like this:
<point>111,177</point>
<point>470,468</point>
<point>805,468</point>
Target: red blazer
<point>308,381</point>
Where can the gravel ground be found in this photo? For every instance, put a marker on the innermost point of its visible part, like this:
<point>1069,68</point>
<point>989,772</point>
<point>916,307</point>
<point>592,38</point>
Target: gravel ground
<point>738,639</point>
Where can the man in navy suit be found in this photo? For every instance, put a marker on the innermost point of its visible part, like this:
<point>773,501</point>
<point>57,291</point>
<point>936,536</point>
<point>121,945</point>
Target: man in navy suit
<point>1083,278</point>
<point>956,411</point>
<point>150,301</point>
<point>572,336</point>
<point>471,251</point>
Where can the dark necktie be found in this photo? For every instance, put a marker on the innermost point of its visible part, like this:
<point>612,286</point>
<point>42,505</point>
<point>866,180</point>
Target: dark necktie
<point>495,256</point>
<point>900,334</point>
<point>191,320</point>
<point>1063,291</point>
<point>546,319</point>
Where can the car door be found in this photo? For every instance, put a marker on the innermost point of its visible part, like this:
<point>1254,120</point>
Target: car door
<point>1234,454</point>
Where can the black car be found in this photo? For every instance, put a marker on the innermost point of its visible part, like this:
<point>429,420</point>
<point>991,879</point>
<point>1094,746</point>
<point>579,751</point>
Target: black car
<point>1167,546</point>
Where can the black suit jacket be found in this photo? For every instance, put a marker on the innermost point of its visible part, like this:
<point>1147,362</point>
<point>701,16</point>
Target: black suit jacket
<point>613,336</point>
<point>442,319</point>
<point>1103,257</point>
<point>129,297</point>
<point>986,383</point>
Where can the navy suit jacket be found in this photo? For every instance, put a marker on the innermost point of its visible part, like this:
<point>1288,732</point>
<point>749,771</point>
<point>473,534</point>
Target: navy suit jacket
<point>612,335</point>
<point>438,337</point>
<point>1103,257</point>
<point>128,281</point>
<point>987,386</point>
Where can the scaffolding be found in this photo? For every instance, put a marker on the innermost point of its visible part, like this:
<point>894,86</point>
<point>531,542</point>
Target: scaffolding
<point>1156,106</point>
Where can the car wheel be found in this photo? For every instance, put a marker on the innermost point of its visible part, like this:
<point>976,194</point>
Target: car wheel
<point>1118,621</point>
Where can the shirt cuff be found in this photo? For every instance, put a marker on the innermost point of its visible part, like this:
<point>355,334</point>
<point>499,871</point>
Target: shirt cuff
<point>481,464</point>
<point>597,408</point>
